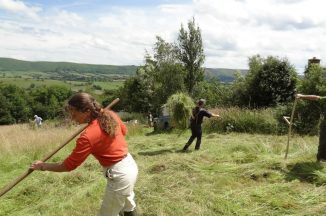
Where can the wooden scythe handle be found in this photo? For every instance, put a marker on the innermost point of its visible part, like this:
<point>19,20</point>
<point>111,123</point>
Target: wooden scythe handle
<point>290,128</point>
<point>29,171</point>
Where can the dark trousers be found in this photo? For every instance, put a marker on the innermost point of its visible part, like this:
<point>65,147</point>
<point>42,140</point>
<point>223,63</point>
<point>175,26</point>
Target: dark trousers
<point>196,132</point>
<point>321,154</point>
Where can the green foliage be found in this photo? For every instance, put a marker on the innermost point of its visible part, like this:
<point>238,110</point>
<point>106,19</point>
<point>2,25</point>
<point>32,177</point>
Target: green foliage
<point>172,69</point>
<point>5,114</point>
<point>270,81</point>
<point>66,70</point>
<point>180,108</point>
<point>215,93</point>
<point>168,73</point>
<point>314,83</point>
<point>225,75</point>
<point>18,105</point>
<point>15,104</point>
<point>48,102</point>
<point>244,121</point>
<point>191,54</point>
<point>314,80</point>
<point>135,95</point>
<point>159,78</point>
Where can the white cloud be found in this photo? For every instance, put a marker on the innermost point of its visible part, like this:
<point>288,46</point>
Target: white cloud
<point>65,18</point>
<point>232,31</point>
<point>19,7</point>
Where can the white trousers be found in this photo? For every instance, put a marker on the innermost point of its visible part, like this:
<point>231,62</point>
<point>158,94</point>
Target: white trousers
<point>119,194</point>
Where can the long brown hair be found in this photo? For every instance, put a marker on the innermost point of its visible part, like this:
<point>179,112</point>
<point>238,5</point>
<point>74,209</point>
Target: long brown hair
<point>83,102</point>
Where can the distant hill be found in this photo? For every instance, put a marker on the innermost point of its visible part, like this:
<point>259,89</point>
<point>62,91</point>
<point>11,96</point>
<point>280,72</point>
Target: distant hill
<point>223,74</point>
<point>85,72</point>
<point>67,70</point>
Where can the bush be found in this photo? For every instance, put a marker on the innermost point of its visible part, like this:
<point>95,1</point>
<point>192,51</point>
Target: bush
<point>243,120</point>
<point>127,116</point>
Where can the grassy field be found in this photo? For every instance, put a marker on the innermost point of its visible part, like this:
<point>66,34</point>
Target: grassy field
<point>233,174</point>
<point>74,85</point>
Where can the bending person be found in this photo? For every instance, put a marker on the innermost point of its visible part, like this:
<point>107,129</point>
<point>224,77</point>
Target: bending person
<point>104,139</point>
<point>321,153</point>
<point>198,114</point>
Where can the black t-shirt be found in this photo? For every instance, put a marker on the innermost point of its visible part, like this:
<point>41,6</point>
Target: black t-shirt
<point>198,115</point>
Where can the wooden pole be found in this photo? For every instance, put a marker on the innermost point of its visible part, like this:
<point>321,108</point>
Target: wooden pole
<point>286,119</point>
<point>29,171</point>
<point>290,128</point>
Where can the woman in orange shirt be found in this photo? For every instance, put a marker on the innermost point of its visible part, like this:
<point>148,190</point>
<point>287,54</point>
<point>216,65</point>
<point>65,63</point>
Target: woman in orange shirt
<point>104,138</point>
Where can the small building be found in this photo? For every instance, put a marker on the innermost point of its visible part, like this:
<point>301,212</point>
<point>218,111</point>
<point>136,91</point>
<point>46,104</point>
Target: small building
<point>315,60</point>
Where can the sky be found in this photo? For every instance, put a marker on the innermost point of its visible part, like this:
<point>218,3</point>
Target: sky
<point>119,32</point>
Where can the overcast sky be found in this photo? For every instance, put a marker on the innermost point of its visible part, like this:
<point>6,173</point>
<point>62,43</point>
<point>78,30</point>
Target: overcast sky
<point>118,32</point>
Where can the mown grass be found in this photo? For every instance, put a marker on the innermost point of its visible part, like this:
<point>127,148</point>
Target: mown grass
<point>232,174</point>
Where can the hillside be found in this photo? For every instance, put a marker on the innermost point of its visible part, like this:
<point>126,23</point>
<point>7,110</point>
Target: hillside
<point>65,70</point>
<point>223,74</point>
<point>85,72</point>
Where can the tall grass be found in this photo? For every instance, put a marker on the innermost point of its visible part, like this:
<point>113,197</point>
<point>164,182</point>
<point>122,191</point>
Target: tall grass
<point>245,120</point>
<point>232,174</point>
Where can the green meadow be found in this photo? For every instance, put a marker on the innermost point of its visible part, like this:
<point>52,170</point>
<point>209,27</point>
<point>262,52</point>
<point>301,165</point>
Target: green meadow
<point>74,85</point>
<point>232,174</point>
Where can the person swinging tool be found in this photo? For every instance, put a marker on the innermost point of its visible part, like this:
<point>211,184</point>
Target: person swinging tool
<point>104,139</point>
<point>321,153</point>
<point>198,113</point>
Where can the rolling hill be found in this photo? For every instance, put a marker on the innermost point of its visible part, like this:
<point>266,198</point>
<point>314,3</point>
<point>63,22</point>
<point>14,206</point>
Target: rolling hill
<point>85,72</point>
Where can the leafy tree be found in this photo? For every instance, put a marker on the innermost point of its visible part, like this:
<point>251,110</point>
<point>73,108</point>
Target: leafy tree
<point>215,93</point>
<point>191,54</point>
<point>5,114</point>
<point>136,94</point>
<point>15,104</point>
<point>168,73</point>
<point>270,81</point>
<point>161,76</point>
<point>313,83</point>
<point>48,101</point>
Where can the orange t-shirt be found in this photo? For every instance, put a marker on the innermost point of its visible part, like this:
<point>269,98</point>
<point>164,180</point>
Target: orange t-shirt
<point>93,140</point>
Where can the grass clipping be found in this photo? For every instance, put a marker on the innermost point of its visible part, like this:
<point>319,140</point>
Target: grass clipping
<point>180,108</point>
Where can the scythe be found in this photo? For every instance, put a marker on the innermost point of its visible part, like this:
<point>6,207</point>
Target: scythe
<point>29,171</point>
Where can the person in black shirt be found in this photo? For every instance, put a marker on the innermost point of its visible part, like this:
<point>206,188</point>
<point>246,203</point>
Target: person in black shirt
<point>198,113</point>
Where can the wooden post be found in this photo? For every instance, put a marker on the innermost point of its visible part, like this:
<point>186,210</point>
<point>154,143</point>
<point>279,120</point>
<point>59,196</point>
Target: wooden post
<point>290,128</point>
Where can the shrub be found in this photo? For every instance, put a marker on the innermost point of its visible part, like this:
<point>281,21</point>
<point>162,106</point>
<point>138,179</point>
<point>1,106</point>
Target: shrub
<point>243,120</point>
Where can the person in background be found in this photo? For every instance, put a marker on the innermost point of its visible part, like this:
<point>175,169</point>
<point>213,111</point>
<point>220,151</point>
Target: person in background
<point>150,119</point>
<point>38,121</point>
<point>198,114</point>
<point>104,138</point>
<point>321,153</point>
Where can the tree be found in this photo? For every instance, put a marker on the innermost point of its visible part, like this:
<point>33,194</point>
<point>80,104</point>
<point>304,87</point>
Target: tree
<point>168,72</point>
<point>216,93</point>
<point>5,114</point>
<point>314,83</point>
<point>14,107</point>
<point>161,76</point>
<point>270,81</point>
<point>48,101</point>
<point>191,54</point>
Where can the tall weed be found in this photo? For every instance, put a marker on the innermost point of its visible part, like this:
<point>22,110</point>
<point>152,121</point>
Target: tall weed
<point>243,120</point>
